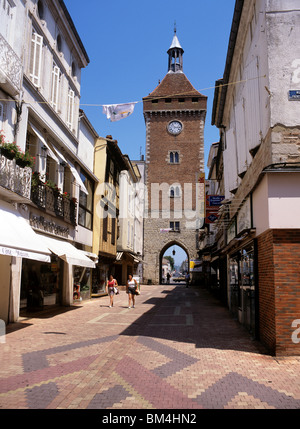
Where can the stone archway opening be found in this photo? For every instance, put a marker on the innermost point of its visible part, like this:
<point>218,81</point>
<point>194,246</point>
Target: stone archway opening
<point>179,256</point>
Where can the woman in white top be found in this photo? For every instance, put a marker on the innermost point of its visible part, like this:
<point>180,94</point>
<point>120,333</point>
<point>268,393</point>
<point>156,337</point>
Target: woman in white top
<point>131,290</point>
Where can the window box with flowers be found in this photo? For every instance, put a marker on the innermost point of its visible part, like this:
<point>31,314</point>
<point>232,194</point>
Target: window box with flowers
<point>15,168</point>
<point>48,195</point>
<point>12,151</point>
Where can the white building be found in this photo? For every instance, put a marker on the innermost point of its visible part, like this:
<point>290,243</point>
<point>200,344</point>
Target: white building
<point>42,88</point>
<point>130,239</point>
<point>166,269</point>
<point>257,109</point>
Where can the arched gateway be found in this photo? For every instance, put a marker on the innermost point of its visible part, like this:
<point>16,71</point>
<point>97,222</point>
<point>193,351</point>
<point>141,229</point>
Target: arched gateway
<point>175,116</point>
<point>163,251</point>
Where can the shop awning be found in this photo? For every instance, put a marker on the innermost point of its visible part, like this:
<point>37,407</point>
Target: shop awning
<point>74,172</point>
<point>68,252</point>
<point>42,139</point>
<point>17,238</point>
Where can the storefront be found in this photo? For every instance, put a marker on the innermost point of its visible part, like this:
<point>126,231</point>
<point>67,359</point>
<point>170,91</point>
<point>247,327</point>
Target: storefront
<point>100,275</point>
<point>242,292</point>
<point>82,283</point>
<point>18,242</point>
<point>60,282</point>
<point>41,284</point>
<point>242,268</point>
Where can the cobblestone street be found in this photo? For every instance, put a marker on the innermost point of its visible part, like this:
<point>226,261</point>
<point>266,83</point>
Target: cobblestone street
<point>178,349</point>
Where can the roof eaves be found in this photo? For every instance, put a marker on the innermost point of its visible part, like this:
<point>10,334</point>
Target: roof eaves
<point>72,25</point>
<point>239,4</point>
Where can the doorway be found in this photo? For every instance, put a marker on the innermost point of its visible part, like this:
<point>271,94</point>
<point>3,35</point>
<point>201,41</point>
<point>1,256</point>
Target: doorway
<point>174,263</point>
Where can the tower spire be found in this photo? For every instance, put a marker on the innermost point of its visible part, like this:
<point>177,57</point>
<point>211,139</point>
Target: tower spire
<point>175,54</point>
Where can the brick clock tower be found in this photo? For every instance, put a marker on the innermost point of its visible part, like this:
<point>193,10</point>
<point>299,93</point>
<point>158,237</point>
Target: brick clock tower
<point>175,116</point>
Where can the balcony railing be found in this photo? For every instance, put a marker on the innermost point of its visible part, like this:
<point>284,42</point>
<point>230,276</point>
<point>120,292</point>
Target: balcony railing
<point>15,178</point>
<point>53,201</point>
<point>11,69</point>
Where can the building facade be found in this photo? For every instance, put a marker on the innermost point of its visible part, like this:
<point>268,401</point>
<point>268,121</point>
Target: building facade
<point>175,116</point>
<point>40,87</point>
<point>108,164</point>
<point>130,239</point>
<point>257,242</point>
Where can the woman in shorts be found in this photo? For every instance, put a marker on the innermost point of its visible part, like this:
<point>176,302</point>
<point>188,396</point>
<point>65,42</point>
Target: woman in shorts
<point>110,289</point>
<point>131,289</point>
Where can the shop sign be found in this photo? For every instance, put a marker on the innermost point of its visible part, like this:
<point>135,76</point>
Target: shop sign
<point>213,203</point>
<point>244,217</point>
<point>39,222</point>
<point>195,265</point>
<point>200,200</point>
<point>211,217</point>
<point>13,252</point>
<point>294,95</point>
<point>231,231</point>
<point>165,229</point>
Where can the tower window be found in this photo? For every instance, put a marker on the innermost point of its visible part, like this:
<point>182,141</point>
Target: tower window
<point>181,100</point>
<point>174,157</point>
<point>59,43</point>
<point>154,101</point>
<point>40,9</point>
<point>175,191</point>
<point>195,100</point>
<point>175,226</point>
<point>168,100</point>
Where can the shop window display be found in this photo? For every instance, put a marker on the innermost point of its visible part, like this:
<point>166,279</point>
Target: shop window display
<point>82,283</point>
<point>99,278</point>
<point>242,287</point>
<point>40,284</point>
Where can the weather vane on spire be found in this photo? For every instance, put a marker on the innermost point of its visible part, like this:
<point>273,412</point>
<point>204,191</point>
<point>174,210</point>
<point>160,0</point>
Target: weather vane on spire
<point>175,29</point>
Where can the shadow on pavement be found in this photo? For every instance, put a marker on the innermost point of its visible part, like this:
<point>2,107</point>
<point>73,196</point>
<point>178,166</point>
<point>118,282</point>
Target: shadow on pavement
<point>193,315</point>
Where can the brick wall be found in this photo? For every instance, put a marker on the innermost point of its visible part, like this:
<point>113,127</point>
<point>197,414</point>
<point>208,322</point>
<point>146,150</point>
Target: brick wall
<point>265,265</point>
<point>279,289</point>
<point>287,288</point>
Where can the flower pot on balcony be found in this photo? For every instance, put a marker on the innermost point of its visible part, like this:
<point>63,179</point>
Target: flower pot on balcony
<point>22,163</point>
<point>9,154</point>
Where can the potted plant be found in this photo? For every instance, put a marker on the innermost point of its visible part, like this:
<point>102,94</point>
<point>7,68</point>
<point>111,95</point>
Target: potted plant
<point>25,159</point>
<point>9,150</point>
<point>12,151</point>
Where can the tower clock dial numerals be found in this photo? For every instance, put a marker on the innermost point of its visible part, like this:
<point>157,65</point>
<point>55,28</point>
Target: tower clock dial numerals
<point>175,127</point>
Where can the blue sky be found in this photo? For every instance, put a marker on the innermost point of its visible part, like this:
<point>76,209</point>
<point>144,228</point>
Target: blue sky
<point>127,43</point>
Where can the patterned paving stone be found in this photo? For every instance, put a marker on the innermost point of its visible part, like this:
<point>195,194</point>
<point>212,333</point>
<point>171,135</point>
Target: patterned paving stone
<point>39,397</point>
<point>224,390</point>
<point>108,398</point>
<point>178,349</point>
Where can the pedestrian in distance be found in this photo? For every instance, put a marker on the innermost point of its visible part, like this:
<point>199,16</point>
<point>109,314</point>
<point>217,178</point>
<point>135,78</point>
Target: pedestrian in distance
<point>110,289</point>
<point>187,279</point>
<point>131,289</point>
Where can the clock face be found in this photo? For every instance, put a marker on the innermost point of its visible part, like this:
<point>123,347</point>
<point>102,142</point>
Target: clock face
<point>175,127</point>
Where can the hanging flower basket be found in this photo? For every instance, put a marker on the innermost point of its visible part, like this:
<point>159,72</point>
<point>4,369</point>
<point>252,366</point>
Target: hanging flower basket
<point>9,154</point>
<point>12,151</point>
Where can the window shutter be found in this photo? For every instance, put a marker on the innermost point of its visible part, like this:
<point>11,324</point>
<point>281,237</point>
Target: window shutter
<point>105,223</point>
<point>113,231</point>
<point>1,115</point>
<point>55,87</point>
<point>36,58</point>
<point>70,112</point>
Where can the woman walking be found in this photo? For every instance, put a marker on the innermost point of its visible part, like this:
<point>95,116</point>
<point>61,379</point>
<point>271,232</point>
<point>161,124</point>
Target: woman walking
<point>110,289</point>
<point>131,289</point>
